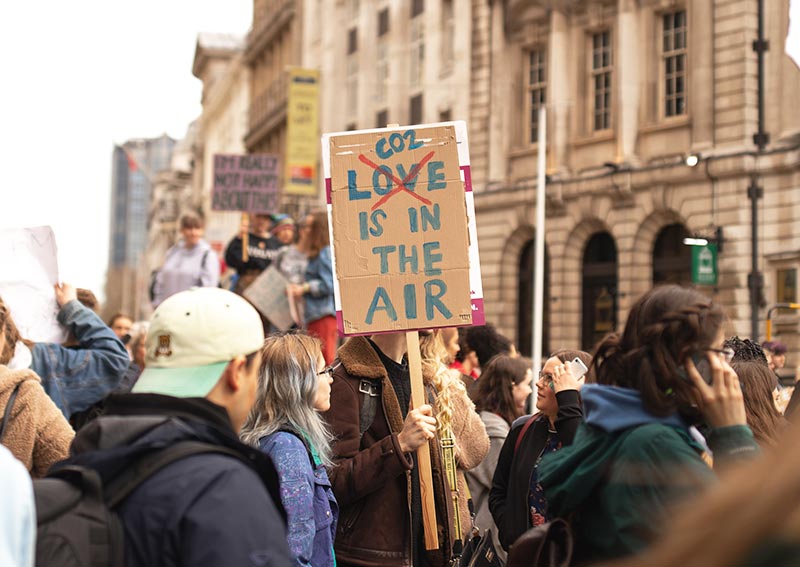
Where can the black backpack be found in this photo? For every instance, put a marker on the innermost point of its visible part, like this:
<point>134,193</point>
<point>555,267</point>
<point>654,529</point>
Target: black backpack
<point>77,525</point>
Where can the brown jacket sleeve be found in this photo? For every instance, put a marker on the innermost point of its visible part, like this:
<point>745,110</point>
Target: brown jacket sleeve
<point>358,472</point>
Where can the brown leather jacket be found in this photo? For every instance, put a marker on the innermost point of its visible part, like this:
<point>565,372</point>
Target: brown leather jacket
<point>371,478</point>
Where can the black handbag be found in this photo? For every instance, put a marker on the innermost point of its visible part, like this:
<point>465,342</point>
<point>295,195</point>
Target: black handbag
<point>548,545</point>
<point>479,551</point>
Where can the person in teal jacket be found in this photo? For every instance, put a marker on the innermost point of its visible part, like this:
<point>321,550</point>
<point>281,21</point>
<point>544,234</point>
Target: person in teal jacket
<point>638,452</point>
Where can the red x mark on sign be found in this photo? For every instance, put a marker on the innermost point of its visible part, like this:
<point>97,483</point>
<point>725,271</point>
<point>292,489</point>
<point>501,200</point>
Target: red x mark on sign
<point>401,185</point>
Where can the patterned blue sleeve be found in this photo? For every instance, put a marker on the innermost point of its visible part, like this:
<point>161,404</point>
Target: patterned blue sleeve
<point>297,492</point>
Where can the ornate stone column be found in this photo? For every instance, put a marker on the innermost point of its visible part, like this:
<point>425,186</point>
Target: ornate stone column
<point>559,95</point>
<point>627,69</point>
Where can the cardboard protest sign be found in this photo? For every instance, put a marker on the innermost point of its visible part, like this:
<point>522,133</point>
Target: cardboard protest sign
<point>28,288</point>
<point>247,183</point>
<point>268,294</point>
<point>402,228</point>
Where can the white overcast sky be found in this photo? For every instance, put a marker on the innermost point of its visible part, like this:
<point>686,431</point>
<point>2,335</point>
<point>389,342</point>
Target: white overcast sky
<point>82,75</point>
<point>79,77</point>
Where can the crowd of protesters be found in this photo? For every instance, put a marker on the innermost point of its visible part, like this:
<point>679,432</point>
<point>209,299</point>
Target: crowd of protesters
<point>239,445</point>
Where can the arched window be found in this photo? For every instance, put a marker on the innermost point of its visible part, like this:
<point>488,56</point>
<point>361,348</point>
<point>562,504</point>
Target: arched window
<point>599,289</point>
<point>672,259</point>
<point>525,291</point>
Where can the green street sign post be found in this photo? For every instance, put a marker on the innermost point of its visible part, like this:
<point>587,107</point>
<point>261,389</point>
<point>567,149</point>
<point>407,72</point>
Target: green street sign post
<point>704,264</point>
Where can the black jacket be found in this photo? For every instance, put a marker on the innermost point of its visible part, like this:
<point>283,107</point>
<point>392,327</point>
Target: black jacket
<point>202,511</point>
<point>260,251</point>
<point>508,498</point>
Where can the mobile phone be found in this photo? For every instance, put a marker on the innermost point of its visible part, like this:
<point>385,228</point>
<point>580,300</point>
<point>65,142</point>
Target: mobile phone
<point>577,368</point>
<point>703,368</point>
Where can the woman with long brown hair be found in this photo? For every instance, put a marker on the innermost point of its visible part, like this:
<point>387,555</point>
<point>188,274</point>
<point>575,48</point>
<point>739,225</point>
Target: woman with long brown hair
<point>758,382</point>
<point>500,397</point>
<point>317,291</point>
<point>637,451</point>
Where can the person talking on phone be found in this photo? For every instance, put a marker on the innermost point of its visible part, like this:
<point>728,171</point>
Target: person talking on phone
<point>516,501</point>
<point>637,452</point>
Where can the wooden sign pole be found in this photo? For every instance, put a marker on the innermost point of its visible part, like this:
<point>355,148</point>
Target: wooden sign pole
<point>423,453</point>
<point>429,526</point>
<point>245,255</point>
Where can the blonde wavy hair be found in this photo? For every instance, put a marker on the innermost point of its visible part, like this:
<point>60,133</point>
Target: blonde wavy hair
<point>446,383</point>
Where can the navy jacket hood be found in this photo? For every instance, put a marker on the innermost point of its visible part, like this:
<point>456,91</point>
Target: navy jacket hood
<point>613,409</point>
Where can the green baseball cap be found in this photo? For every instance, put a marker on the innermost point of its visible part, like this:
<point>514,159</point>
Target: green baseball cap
<point>193,335</point>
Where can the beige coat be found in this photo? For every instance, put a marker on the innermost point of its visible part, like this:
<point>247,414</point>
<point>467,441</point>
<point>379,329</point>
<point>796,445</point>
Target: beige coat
<point>37,432</point>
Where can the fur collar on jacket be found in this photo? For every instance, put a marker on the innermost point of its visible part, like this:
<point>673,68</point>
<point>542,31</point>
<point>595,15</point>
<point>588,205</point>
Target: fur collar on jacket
<point>360,359</point>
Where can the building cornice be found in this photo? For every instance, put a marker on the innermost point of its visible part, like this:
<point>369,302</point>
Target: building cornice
<point>624,182</point>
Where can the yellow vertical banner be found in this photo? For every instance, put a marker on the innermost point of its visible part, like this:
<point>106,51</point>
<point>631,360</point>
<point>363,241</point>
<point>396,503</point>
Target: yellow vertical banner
<point>302,136</point>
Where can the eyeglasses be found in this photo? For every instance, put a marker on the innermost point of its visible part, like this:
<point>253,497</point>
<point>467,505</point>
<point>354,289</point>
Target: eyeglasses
<point>726,353</point>
<point>547,376</point>
<point>329,370</point>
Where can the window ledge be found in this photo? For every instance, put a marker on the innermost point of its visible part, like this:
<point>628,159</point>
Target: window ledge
<point>666,124</point>
<point>523,151</point>
<point>595,138</point>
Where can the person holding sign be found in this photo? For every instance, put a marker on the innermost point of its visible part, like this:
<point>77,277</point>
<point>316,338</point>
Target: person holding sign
<point>375,456</point>
<point>261,250</point>
<point>74,378</point>
<point>317,291</point>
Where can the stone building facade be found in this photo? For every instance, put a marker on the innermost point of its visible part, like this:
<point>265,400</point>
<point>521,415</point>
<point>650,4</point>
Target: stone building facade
<point>222,126</point>
<point>631,89</point>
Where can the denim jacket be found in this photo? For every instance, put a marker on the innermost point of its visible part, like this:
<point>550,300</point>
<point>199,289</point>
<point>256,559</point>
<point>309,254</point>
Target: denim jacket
<point>319,277</point>
<point>76,378</point>
<point>307,496</point>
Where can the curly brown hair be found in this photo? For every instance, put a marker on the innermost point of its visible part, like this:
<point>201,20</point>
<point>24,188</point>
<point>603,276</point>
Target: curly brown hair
<point>665,326</point>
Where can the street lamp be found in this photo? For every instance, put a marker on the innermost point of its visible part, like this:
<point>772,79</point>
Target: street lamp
<point>695,241</point>
<point>698,240</point>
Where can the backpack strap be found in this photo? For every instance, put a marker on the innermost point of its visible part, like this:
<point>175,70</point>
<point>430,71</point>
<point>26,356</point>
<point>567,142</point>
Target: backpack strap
<point>525,428</point>
<point>202,265</point>
<point>120,487</point>
<point>7,413</point>
<point>371,391</point>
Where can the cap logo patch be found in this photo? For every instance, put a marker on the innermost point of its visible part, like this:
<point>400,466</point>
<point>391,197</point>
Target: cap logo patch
<point>163,348</point>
